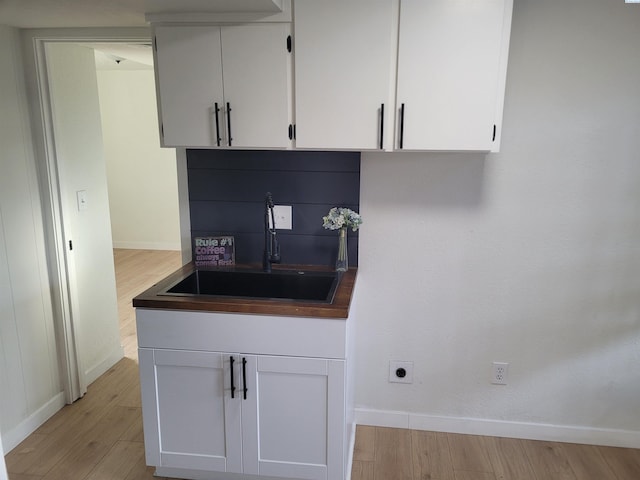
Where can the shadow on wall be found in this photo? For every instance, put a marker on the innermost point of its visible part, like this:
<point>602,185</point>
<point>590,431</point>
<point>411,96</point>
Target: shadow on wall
<point>452,180</point>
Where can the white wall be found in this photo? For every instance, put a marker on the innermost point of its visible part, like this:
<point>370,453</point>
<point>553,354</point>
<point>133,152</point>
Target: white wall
<point>81,166</point>
<point>30,389</point>
<point>530,256</point>
<point>143,188</point>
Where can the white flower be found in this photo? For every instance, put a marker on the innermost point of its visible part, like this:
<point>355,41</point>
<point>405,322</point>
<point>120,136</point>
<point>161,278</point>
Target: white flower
<point>342,217</point>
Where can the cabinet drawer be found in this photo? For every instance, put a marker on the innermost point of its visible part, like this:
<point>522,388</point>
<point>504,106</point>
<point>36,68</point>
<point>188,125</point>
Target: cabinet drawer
<point>257,334</point>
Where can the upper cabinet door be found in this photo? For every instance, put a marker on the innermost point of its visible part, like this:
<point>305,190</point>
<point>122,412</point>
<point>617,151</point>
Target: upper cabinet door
<point>451,68</point>
<point>257,85</point>
<point>189,79</point>
<point>343,55</point>
<point>224,86</point>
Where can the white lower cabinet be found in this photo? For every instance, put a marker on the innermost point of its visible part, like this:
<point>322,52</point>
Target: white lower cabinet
<point>293,417</point>
<point>190,420</point>
<point>263,415</point>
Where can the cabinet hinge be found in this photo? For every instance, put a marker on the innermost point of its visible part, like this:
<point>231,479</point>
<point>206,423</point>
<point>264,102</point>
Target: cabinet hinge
<point>70,245</point>
<point>289,43</point>
<point>493,139</point>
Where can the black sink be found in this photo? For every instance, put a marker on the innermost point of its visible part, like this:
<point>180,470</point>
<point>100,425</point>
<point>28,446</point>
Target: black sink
<point>290,285</point>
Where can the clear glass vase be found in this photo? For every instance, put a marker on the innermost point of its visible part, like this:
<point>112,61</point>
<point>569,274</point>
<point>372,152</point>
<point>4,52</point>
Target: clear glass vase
<point>342,263</point>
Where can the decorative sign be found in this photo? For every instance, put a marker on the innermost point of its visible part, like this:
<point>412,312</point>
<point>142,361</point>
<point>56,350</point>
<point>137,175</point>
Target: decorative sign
<point>214,251</point>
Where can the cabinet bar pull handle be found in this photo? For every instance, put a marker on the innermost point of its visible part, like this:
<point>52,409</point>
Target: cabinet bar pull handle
<point>217,109</point>
<point>244,377</point>
<point>401,125</point>
<point>233,387</point>
<point>229,122</point>
<point>381,125</point>
<point>493,139</point>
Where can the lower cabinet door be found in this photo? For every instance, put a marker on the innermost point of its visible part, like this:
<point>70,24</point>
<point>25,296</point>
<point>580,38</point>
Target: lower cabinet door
<point>294,417</point>
<point>190,420</point>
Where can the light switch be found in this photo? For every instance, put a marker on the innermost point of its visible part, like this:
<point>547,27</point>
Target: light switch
<point>283,215</point>
<point>82,200</point>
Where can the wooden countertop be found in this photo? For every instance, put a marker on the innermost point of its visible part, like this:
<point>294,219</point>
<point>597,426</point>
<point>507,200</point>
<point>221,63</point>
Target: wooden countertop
<point>339,309</point>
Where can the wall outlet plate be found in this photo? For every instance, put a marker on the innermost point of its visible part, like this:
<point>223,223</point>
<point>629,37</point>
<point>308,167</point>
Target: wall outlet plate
<point>400,372</point>
<point>283,215</point>
<point>499,373</point>
<point>82,200</point>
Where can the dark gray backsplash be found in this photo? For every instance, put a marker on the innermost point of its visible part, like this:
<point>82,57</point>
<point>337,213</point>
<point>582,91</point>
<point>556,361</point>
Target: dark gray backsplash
<point>227,190</point>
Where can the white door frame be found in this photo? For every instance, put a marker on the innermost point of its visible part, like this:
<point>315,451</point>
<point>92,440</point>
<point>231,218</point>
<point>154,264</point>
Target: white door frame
<point>3,467</point>
<point>59,262</point>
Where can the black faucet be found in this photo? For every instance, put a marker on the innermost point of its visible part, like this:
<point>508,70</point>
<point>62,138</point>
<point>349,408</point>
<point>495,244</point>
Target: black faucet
<point>271,247</point>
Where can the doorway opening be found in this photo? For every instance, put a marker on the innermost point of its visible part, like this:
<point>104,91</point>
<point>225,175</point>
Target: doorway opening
<point>102,153</point>
<point>141,177</point>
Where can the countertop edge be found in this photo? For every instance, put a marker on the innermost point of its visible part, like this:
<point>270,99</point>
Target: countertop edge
<point>339,309</point>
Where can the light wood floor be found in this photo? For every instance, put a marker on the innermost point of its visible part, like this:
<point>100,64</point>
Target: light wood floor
<point>100,436</point>
<point>137,270</point>
<point>395,454</point>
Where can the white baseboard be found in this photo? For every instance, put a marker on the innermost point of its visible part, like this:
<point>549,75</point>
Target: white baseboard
<point>92,374</point>
<point>499,428</point>
<point>13,437</point>
<point>147,245</point>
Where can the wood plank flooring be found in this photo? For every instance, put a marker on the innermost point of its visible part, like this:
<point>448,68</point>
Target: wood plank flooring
<point>395,454</point>
<point>100,437</point>
<point>137,270</point>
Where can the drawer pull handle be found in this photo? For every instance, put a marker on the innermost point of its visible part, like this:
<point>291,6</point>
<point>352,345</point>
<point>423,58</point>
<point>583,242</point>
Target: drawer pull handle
<point>229,122</point>
<point>233,387</point>
<point>401,126</point>
<point>244,376</point>
<point>216,110</point>
<point>381,125</point>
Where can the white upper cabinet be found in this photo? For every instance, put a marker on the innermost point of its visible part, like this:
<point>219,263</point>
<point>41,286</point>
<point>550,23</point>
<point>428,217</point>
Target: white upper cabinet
<point>343,54</point>
<point>452,58</point>
<point>369,75</point>
<point>224,86</point>
<point>257,84</point>
<point>189,79</point>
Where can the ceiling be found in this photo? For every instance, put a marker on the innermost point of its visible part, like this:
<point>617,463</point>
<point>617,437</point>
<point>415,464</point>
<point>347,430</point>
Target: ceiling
<point>121,56</point>
<point>114,13</point>
<point>117,13</point>
<point>72,13</point>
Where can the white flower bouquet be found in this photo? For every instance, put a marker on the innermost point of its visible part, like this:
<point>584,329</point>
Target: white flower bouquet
<point>338,218</point>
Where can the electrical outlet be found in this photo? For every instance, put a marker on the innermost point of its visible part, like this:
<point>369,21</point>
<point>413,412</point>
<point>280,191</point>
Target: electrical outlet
<point>400,372</point>
<point>282,215</point>
<point>499,373</point>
